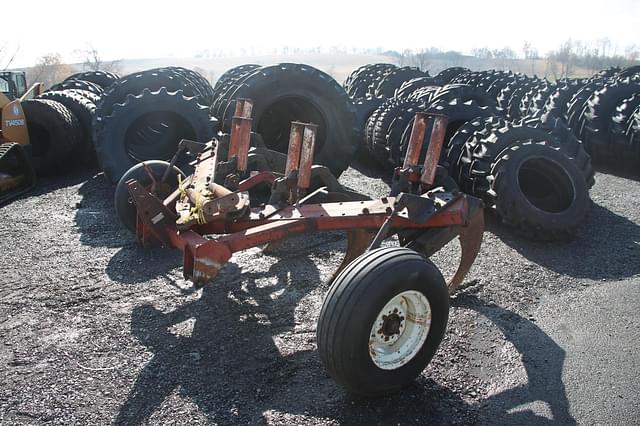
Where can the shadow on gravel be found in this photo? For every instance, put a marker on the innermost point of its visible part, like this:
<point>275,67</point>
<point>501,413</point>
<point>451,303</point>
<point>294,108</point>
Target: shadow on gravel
<point>543,361</point>
<point>48,184</point>
<point>606,247</point>
<point>368,168</point>
<point>51,183</point>
<point>625,169</point>
<point>219,352</point>
<point>134,264</point>
<point>96,217</point>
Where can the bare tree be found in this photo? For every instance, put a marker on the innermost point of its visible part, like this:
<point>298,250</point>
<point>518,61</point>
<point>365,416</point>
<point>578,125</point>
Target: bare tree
<point>551,67</point>
<point>632,53</point>
<point>531,54</point>
<point>482,53</point>
<point>49,70</point>
<point>5,58</point>
<point>422,59</point>
<point>566,56</point>
<point>405,57</point>
<point>604,45</point>
<point>92,60</point>
<point>505,57</point>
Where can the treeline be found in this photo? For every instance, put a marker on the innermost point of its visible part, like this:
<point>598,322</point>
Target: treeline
<point>570,59</point>
<point>50,68</point>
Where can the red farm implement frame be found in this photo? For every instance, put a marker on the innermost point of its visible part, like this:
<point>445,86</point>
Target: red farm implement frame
<point>402,307</point>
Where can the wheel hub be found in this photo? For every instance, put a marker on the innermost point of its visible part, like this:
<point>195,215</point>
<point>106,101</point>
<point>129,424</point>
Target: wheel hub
<point>392,325</point>
<point>400,330</point>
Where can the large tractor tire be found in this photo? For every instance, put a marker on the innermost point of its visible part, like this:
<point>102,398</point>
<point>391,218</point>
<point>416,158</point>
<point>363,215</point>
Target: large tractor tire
<point>85,94</point>
<point>598,111</point>
<point>388,129</point>
<point>455,149</point>
<point>463,93</point>
<point>620,121</point>
<point>364,81</point>
<point>234,72</point>
<point>103,79</point>
<point>538,190</point>
<point>447,75</point>
<point>79,85</point>
<point>149,126</point>
<point>54,134</point>
<point>392,81</point>
<point>84,110</point>
<point>487,145</point>
<point>292,92</point>
<point>171,79</point>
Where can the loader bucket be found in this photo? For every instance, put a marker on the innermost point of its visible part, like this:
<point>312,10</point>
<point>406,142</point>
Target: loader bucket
<point>17,175</point>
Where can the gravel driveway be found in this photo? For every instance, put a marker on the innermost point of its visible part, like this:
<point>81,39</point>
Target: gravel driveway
<point>94,329</point>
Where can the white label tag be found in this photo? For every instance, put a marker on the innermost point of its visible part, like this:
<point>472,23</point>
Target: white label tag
<point>157,218</point>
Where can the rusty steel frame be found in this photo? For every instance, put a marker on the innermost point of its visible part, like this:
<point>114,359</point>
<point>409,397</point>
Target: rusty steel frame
<point>414,150</point>
<point>240,134</point>
<point>203,257</point>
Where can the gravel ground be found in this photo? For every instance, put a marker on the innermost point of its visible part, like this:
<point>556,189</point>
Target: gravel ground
<point>94,329</point>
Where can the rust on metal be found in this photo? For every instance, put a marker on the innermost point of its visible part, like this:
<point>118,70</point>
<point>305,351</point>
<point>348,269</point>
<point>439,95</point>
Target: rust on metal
<point>239,141</point>
<point>434,149</point>
<point>202,258</point>
<point>306,155</point>
<point>244,108</point>
<point>155,220</point>
<point>256,179</point>
<point>243,127</point>
<point>240,137</point>
<point>416,140</point>
<point>336,216</point>
<point>295,145</point>
<point>202,207</point>
<point>358,241</point>
<point>470,241</point>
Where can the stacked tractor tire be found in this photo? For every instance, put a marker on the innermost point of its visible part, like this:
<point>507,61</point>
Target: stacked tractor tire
<point>144,115</point>
<point>522,144</point>
<point>60,121</point>
<point>292,92</point>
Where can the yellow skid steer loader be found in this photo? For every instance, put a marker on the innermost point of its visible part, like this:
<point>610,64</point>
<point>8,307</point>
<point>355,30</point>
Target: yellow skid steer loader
<point>17,174</point>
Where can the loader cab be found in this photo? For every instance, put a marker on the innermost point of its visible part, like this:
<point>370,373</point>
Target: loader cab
<point>13,84</point>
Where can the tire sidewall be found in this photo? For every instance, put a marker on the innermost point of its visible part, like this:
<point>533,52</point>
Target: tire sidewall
<point>111,145</point>
<point>387,285</point>
<point>268,85</point>
<point>509,172</point>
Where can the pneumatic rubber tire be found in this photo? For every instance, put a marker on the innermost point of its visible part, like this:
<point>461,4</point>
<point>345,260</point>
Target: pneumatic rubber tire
<point>125,209</point>
<point>539,190</point>
<point>54,135</point>
<point>354,304</point>
<point>103,79</point>
<point>78,85</point>
<point>84,110</point>
<point>149,126</point>
<point>292,92</point>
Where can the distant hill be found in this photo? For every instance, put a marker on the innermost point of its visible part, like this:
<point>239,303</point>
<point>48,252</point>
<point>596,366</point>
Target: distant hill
<point>340,65</point>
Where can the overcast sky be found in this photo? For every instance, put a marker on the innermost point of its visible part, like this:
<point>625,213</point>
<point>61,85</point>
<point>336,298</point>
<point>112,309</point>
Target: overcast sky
<point>144,29</point>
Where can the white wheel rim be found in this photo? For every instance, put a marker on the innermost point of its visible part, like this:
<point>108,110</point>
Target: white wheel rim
<point>400,330</point>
